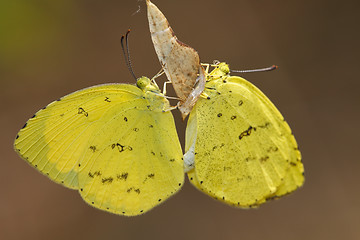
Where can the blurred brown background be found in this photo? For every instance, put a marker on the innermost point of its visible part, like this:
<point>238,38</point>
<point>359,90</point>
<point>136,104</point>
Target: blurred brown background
<point>52,48</point>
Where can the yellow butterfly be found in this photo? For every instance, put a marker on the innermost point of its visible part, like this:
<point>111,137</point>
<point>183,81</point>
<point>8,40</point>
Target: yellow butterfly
<point>239,149</point>
<point>180,62</point>
<point>114,143</point>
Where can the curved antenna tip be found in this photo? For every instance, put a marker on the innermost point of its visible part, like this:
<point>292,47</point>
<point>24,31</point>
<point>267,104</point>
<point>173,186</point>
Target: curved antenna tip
<point>126,52</point>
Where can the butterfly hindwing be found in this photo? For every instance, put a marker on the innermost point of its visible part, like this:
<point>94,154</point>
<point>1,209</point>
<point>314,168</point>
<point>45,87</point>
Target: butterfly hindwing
<point>150,169</point>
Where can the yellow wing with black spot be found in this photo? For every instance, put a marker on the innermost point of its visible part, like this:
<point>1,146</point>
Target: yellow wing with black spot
<point>114,143</point>
<point>243,150</point>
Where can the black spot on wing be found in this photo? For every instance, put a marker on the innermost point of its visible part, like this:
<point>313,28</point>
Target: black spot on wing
<point>272,149</point>
<point>137,190</point>
<point>82,111</point>
<point>264,159</point>
<point>107,180</point>
<point>266,125</point>
<point>120,147</point>
<point>94,174</point>
<point>122,176</point>
<point>250,158</point>
<point>149,176</point>
<point>93,148</point>
<point>246,132</point>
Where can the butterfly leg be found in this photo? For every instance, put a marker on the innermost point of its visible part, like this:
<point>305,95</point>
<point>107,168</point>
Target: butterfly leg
<point>207,66</point>
<point>170,108</point>
<point>161,72</point>
<point>164,88</point>
<point>204,95</point>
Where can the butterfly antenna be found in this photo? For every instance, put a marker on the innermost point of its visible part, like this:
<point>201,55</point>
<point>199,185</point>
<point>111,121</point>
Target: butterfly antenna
<point>273,67</point>
<point>127,52</point>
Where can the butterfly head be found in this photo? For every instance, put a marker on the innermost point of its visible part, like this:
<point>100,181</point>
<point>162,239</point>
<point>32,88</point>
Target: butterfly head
<point>222,69</point>
<point>152,93</point>
<point>145,84</point>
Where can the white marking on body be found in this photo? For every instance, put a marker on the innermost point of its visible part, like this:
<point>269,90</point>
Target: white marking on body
<point>189,158</point>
